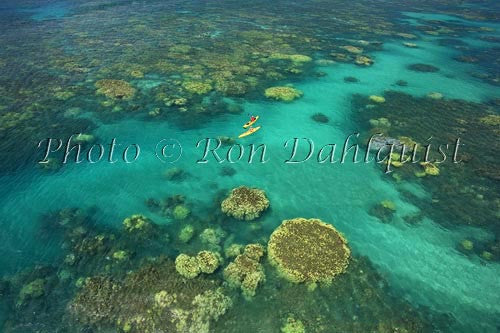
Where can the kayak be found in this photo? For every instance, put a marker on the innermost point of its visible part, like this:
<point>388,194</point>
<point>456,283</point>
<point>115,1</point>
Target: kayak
<point>250,123</point>
<point>250,131</point>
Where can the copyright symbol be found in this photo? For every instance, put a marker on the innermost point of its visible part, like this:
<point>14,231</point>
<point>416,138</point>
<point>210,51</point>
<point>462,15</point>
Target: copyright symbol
<point>168,150</point>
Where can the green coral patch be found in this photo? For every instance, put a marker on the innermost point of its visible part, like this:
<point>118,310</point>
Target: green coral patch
<point>308,250</point>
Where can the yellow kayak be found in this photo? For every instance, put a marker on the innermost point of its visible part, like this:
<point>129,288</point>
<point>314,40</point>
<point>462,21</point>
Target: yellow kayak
<point>250,123</point>
<point>250,131</point>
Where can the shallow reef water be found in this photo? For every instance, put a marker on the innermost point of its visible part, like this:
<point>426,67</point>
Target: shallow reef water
<point>182,241</point>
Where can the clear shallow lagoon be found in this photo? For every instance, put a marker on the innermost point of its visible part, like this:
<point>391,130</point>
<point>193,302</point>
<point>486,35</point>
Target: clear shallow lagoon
<point>422,264</point>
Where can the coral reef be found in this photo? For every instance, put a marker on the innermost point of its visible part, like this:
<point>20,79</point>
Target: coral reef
<point>283,93</point>
<point>351,79</point>
<point>120,255</point>
<point>204,262</point>
<point>187,266</point>
<point>435,95</point>
<point>410,45</point>
<point>245,271</point>
<point>186,233</point>
<point>34,289</point>
<point>150,298</point>
<point>464,190</point>
<point>467,245</point>
<point>115,89</point>
<point>245,203</point>
<point>227,171</point>
<point>208,261</point>
<point>296,58</point>
<point>423,68</point>
<point>138,225</point>
<point>308,250</point>
<point>293,325</point>
<point>180,212</point>
<point>384,210</point>
<point>212,237</point>
<point>352,49</point>
<point>320,118</point>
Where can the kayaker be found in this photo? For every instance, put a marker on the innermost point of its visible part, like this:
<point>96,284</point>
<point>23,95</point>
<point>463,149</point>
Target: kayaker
<point>252,118</point>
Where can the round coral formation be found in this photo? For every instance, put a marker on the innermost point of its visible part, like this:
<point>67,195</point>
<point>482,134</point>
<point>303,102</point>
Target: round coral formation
<point>286,94</point>
<point>254,251</point>
<point>186,233</point>
<point>377,99</point>
<point>120,255</point>
<point>424,68</point>
<point>116,89</point>
<point>308,250</point>
<point>34,289</point>
<point>180,212</point>
<point>136,222</point>
<point>191,266</point>
<point>187,266</point>
<point>233,250</point>
<point>245,271</point>
<point>430,169</point>
<point>492,120</point>
<point>245,203</point>
<point>208,261</point>
<point>435,95</point>
<point>212,237</point>
<point>467,245</point>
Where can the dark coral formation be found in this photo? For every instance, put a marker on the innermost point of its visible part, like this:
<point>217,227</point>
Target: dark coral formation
<point>461,192</point>
<point>356,301</point>
<point>245,271</point>
<point>320,118</point>
<point>424,68</point>
<point>308,250</point>
<point>245,203</point>
<point>152,297</point>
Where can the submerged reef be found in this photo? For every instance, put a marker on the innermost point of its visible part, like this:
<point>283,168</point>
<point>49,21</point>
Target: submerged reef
<point>245,271</point>
<point>320,118</point>
<point>308,250</point>
<point>107,282</point>
<point>118,89</point>
<point>384,210</point>
<point>191,266</point>
<point>285,94</point>
<point>244,203</point>
<point>151,299</point>
<point>461,191</point>
<point>424,68</point>
<point>139,226</point>
<point>356,301</point>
